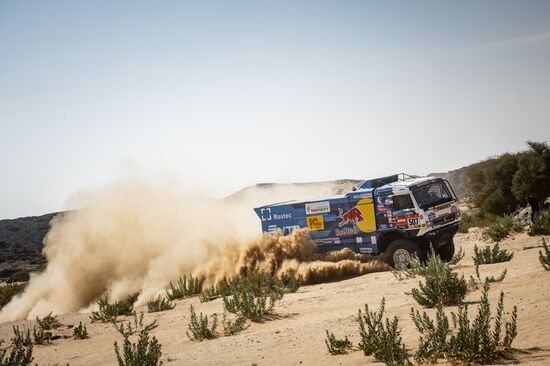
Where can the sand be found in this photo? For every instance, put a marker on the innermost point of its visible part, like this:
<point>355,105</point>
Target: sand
<point>296,334</point>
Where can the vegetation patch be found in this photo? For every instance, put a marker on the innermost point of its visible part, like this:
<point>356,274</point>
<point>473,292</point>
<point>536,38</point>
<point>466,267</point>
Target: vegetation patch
<point>474,218</point>
<point>544,258</point>
<point>232,327</point>
<point>184,287</point>
<point>541,223</point>
<point>381,337</point>
<point>20,351</point>
<point>501,227</point>
<point>477,282</point>
<point>110,311</point>
<point>441,285</point>
<point>146,351</point>
<point>337,346</point>
<point>200,327</point>
<point>80,332</point>
<point>159,304</point>
<point>490,255</point>
<point>481,340</point>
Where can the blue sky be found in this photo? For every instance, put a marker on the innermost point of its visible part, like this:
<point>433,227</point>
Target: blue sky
<point>227,94</point>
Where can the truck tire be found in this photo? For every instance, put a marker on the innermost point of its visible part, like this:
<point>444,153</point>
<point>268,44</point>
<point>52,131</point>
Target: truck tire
<point>447,251</point>
<point>400,251</point>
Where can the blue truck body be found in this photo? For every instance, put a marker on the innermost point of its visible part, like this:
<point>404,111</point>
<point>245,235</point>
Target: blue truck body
<point>422,211</point>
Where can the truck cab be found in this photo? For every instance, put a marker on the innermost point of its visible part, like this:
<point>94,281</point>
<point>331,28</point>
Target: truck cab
<point>396,215</point>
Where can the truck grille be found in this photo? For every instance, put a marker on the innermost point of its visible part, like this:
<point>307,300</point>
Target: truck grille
<point>444,219</point>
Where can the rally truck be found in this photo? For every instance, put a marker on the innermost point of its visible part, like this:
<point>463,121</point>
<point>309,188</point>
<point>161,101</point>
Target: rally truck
<point>395,216</point>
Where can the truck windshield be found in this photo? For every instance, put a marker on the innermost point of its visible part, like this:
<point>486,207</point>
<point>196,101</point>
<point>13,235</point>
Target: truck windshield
<point>432,195</point>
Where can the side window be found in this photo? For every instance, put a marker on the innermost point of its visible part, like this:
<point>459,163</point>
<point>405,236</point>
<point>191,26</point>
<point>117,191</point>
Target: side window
<point>402,202</point>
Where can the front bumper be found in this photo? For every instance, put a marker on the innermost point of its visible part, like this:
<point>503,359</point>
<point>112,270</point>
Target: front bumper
<point>442,235</point>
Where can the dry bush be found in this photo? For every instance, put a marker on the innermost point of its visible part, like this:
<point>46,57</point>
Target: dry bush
<point>480,340</point>
<point>381,338</point>
<point>110,311</point>
<point>337,346</point>
<point>545,258</point>
<point>490,255</point>
<point>185,287</point>
<point>145,352</point>
<point>199,327</point>
<point>80,332</point>
<point>159,304</point>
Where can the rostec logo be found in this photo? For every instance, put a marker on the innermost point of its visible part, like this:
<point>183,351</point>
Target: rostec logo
<point>317,207</point>
<point>315,222</point>
<point>266,214</point>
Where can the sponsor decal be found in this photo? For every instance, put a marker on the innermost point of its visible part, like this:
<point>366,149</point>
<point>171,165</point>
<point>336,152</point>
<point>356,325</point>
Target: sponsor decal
<point>317,207</point>
<point>407,220</point>
<point>431,216</point>
<point>344,231</point>
<point>365,250</point>
<point>265,213</point>
<point>315,222</point>
<point>282,216</point>
<point>442,207</point>
<point>361,216</point>
<point>359,240</point>
<point>352,216</point>
<point>364,195</point>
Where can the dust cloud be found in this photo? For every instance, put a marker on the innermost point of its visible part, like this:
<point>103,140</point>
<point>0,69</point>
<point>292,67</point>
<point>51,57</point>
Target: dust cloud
<point>133,236</point>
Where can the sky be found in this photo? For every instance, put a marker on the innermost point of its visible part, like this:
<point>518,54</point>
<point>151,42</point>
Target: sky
<point>227,94</point>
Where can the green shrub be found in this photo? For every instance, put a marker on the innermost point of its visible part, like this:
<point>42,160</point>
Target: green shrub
<point>545,258</point>
<point>159,304</point>
<point>474,218</point>
<point>457,257</point>
<point>49,322</point>
<point>20,337</point>
<point>479,341</point>
<point>477,282</point>
<point>185,287</point>
<point>501,227</point>
<point>337,346</point>
<point>110,311</point>
<point>490,255</point>
<point>7,292</point>
<point>381,338</point>
<point>233,327</point>
<point>199,327</point>
<point>20,354</point>
<point>541,223</point>
<point>80,332</point>
<point>145,352</point>
<point>415,268</point>
<point>41,336</point>
<point>214,292</point>
<point>441,286</point>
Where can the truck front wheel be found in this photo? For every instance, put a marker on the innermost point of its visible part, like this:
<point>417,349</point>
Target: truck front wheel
<point>399,252</point>
<point>447,251</point>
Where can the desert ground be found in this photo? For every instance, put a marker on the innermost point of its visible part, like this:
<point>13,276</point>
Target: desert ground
<point>295,335</point>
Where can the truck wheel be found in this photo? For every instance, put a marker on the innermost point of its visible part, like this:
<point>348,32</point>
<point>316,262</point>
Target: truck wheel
<point>400,252</point>
<point>447,251</point>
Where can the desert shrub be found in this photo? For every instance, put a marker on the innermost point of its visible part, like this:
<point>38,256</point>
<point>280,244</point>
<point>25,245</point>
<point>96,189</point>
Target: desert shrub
<point>381,338</point>
<point>337,346</point>
<point>545,258</point>
<point>474,218</point>
<point>501,227</point>
<point>7,292</point>
<point>541,223</point>
<point>19,355</point>
<point>249,304</point>
<point>441,285</point>
<point>41,336</point>
<point>457,257</point>
<point>185,287</point>
<point>419,268</point>
<point>110,311</point>
<point>21,337</point>
<point>80,332</point>
<point>49,322</point>
<point>233,327</point>
<point>479,341</point>
<point>215,291</point>
<point>477,282</point>
<point>145,352</point>
<point>159,304</point>
<point>490,255</point>
<point>199,327</point>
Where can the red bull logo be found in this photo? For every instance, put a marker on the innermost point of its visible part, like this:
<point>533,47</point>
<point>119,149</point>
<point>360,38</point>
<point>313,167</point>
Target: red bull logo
<point>352,216</point>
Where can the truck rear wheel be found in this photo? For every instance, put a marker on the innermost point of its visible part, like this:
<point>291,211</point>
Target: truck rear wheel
<point>399,252</point>
<point>447,251</point>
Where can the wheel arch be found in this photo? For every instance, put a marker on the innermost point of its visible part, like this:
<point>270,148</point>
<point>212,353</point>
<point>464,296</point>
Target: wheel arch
<point>387,237</point>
